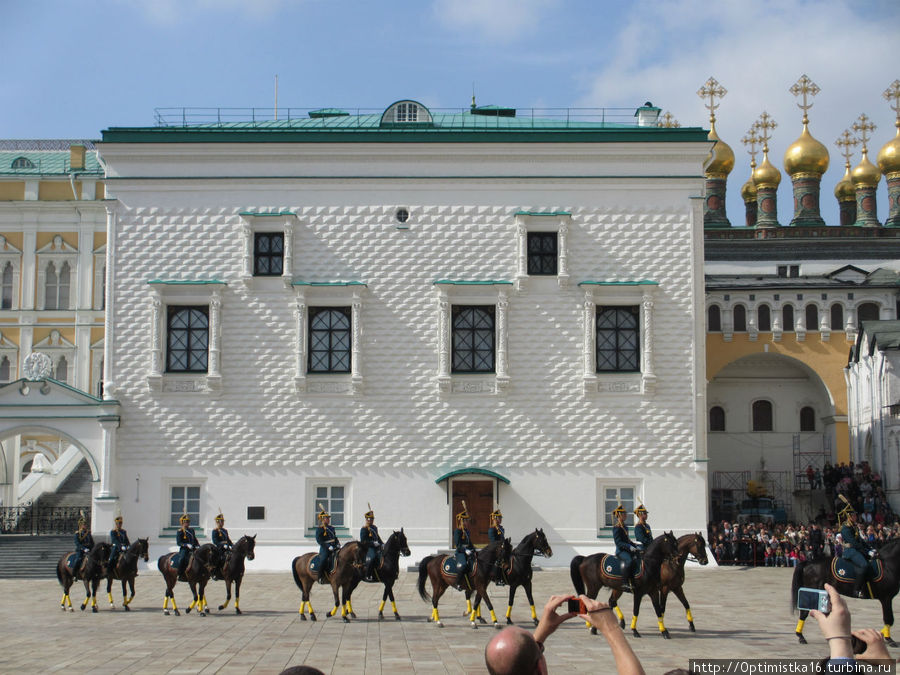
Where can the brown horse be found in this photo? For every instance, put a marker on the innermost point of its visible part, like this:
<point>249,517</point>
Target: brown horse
<point>304,577</point>
<point>199,569</point>
<point>589,575</point>
<point>232,569</point>
<point>432,568</point>
<point>93,569</point>
<point>348,574</point>
<point>672,573</point>
<point>126,570</point>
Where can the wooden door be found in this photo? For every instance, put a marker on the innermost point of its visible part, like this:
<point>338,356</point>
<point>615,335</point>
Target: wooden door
<point>479,497</point>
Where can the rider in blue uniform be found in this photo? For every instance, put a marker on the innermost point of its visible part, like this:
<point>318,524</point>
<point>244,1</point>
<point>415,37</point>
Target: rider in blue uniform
<point>370,542</point>
<point>187,544</point>
<point>222,542</point>
<point>625,548</point>
<point>118,539</point>
<point>497,533</point>
<point>855,549</point>
<point>462,542</point>
<point>84,542</point>
<point>642,533</point>
<point>328,543</point>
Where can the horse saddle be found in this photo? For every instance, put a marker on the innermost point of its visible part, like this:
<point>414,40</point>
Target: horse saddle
<point>70,562</point>
<point>844,570</point>
<point>453,569</point>
<point>327,566</point>
<point>612,567</point>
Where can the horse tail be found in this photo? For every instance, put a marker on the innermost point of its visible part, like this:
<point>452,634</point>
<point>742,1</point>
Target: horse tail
<point>575,573</point>
<point>294,572</point>
<point>795,583</point>
<point>59,565</point>
<point>423,574</point>
<point>161,563</point>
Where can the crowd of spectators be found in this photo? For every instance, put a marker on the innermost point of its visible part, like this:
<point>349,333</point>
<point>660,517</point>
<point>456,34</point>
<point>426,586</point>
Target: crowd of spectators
<point>786,545</point>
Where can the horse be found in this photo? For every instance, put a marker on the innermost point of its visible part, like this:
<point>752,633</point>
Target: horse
<point>93,569</point>
<point>304,577</point>
<point>232,569</point>
<point>815,574</point>
<point>348,575</point>
<point>199,569</point>
<point>672,575</point>
<point>518,571</point>
<point>431,568</point>
<point>126,570</point>
<point>589,574</point>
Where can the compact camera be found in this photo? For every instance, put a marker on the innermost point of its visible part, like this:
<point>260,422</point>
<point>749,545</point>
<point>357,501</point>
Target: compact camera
<point>813,598</point>
<point>576,605</point>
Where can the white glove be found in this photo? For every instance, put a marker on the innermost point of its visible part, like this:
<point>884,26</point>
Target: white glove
<point>871,554</point>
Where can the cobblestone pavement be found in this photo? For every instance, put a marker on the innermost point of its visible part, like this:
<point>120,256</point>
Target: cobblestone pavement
<point>739,613</point>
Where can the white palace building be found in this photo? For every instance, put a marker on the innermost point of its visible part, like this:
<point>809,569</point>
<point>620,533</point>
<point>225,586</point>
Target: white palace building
<point>405,308</point>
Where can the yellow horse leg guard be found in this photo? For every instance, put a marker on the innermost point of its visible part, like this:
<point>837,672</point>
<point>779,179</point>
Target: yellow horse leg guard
<point>690,617</point>
<point>235,603</point>
<point>437,616</point>
<point>381,607</point>
<point>166,603</point>
<point>533,613</point>
<point>174,606</point>
<point>478,612</point>
<point>662,626</point>
<point>193,603</point>
<point>886,632</point>
<point>799,628</point>
<point>109,595</point>
<point>619,614</point>
<point>94,601</point>
<point>127,601</point>
<point>63,601</point>
<point>225,604</point>
<point>344,610</point>
<point>472,616</point>
<point>493,617</point>
<point>393,606</point>
<point>349,607</point>
<point>468,606</point>
<point>508,610</point>
<point>633,622</point>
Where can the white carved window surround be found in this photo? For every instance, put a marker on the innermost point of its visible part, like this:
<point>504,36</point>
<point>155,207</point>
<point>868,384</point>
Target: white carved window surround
<point>540,221</point>
<point>99,301</point>
<point>267,221</point>
<point>61,256</point>
<point>328,294</point>
<point>61,353</point>
<point>457,292</point>
<point>10,274</point>
<point>622,293</point>
<point>184,293</point>
<point>10,351</point>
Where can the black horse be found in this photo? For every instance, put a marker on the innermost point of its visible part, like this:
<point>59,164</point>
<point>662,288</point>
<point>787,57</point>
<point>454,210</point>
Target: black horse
<point>517,572</point>
<point>348,575</point>
<point>672,574</point>
<point>200,567</point>
<point>589,574</point>
<point>231,569</point>
<point>93,569</point>
<point>432,568</point>
<point>817,573</point>
<point>126,569</point>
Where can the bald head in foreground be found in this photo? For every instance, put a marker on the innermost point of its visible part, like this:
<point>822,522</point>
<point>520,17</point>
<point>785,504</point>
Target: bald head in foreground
<point>514,651</point>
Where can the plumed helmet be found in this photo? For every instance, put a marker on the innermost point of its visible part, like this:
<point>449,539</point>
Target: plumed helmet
<point>462,515</point>
<point>619,510</point>
<point>185,518</point>
<point>370,513</point>
<point>323,514</point>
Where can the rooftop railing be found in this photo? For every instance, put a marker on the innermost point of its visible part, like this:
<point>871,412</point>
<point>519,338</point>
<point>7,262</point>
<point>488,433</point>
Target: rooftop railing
<point>362,117</point>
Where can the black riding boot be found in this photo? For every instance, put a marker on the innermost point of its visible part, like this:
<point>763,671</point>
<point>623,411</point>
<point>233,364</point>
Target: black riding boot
<point>182,567</point>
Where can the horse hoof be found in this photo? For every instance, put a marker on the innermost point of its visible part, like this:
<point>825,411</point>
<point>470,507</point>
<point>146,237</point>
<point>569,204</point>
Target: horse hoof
<point>535,621</point>
<point>801,639</point>
<point>691,625</point>
<point>127,608</point>
<point>188,610</point>
<point>94,609</point>
<point>474,625</point>
<point>891,643</point>
<point>62,607</point>
<point>353,614</point>
<point>622,624</point>
<point>439,624</point>
<point>635,633</point>
<point>83,607</point>
<point>397,617</point>
<point>201,613</point>
<point>509,622</point>
<point>221,607</point>
<point>71,609</point>
<point>312,617</point>
<point>666,635</point>
<point>177,613</point>
<point>497,625</point>
<point>303,617</point>
<point>346,620</point>
<point>166,612</point>
<point>237,611</point>
<point>481,620</point>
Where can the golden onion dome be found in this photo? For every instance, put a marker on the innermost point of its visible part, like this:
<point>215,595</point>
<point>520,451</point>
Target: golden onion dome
<point>748,190</point>
<point>844,190</point>
<point>720,158</point>
<point>766,175</point>
<point>806,155</point>
<point>865,174</point>
<point>889,156</point>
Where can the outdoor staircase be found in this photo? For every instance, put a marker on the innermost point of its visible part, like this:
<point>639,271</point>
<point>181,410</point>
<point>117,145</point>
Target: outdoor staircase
<point>74,491</point>
<point>27,557</point>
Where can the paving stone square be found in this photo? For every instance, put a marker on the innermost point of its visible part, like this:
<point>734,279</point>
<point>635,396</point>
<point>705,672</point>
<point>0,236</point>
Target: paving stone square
<point>739,613</point>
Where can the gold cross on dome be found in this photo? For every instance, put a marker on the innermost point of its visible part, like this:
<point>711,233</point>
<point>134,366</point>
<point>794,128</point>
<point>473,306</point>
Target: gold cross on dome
<point>751,140</point>
<point>846,142</point>
<point>893,92</point>
<point>863,126</point>
<point>712,90</point>
<point>806,88</point>
<point>764,125</point>
<point>668,121</point>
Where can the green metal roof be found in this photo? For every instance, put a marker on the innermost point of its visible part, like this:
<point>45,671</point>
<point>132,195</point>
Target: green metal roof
<point>471,470</point>
<point>47,163</point>
<point>186,282</point>
<point>464,282</point>
<point>639,282</point>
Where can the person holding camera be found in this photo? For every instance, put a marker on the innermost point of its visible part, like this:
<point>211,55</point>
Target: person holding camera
<point>846,645</point>
<point>625,548</point>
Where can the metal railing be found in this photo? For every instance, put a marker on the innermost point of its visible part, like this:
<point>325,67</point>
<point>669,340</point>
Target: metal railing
<point>31,519</point>
<point>360,118</point>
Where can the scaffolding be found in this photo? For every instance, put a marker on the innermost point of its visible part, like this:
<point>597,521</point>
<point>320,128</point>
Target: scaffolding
<point>812,452</point>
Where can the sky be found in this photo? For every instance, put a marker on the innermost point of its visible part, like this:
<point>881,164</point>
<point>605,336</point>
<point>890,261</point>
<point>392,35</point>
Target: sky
<point>72,69</point>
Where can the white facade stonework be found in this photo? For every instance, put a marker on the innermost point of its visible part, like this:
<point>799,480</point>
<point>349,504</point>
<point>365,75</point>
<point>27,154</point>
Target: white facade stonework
<point>266,433</point>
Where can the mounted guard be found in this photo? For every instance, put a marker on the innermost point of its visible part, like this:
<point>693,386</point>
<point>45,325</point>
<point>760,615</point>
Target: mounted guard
<point>118,540</point>
<point>223,544</point>
<point>856,550</point>
<point>497,533</point>
<point>625,548</point>
<point>328,543</point>
<point>187,544</point>
<point>462,542</point>
<point>370,545</point>
<point>84,542</point>
<point>642,532</point>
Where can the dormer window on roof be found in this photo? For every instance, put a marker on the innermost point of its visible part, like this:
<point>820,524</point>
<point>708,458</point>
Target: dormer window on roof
<point>406,112</point>
<point>22,163</point>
